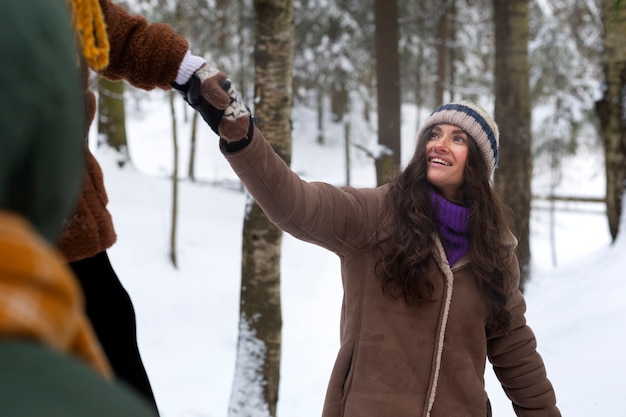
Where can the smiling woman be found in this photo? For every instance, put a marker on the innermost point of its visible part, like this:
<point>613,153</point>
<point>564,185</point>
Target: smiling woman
<point>447,149</point>
<point>474,121</point>
<point>430,283</point>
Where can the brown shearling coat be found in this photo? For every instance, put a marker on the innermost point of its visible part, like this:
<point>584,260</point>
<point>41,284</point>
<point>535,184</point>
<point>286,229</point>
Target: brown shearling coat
<point>396,360</point>
<point>148,56</point>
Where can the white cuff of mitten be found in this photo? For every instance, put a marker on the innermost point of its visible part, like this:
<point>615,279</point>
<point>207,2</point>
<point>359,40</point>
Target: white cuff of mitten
<point>191,63</point>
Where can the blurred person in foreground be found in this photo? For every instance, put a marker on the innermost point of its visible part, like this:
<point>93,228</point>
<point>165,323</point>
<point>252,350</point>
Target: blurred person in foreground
<point>51,363</point>
<point>117,46</point>
<point>429,270</point>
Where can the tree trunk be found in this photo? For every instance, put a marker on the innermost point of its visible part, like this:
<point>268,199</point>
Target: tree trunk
<point>112,117</point>
<point>319,98</point>
<point>388,81</point>
<point>338,91</point>
<point>191,173</point>
<point>512,113</point>
<point>257,374</point>
<point>346,141</point>
<point>419,87</point>
<point>442,52</point>
<point>221,10</point>
<point>451,49</point>
<point>174,229</point>
<point>611,108</point>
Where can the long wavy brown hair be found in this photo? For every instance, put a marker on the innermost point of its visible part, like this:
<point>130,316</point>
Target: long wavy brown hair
<point>410,246</point>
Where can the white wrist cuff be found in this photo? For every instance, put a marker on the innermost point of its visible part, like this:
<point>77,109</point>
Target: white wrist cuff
<point>191,63</point>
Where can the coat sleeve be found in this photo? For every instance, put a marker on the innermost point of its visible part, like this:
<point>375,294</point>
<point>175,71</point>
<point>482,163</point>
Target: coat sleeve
<point>317,212</point>
<point>517,364</point>
<point>147,55</point>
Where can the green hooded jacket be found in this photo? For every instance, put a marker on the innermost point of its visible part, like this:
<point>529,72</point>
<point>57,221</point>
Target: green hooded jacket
<point>41,148</point>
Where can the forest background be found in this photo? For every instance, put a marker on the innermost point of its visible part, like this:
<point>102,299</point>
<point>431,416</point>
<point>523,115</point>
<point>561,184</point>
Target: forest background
<point>544,67</point>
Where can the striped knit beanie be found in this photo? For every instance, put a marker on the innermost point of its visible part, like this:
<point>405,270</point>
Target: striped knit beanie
<point>475,122</point>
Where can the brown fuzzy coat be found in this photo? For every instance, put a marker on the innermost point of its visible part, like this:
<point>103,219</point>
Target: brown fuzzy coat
<point>396,360</point>
<point>148,56</point>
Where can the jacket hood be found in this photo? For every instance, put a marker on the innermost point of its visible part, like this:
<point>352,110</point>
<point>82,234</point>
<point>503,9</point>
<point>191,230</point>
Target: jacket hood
<point>41,116</point>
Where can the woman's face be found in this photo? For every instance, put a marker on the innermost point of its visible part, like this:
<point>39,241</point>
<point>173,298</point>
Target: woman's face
<point>446,156</point>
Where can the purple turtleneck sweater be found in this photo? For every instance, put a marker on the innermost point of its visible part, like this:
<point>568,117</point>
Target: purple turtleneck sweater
<point>452,225</point>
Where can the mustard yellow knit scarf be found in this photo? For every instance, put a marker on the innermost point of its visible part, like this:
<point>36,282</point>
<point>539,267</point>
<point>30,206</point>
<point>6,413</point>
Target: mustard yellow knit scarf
<point>91,31</point>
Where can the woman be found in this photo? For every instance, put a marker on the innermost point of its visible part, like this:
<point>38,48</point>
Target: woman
<point>118,46</point>
<point>429,271</point>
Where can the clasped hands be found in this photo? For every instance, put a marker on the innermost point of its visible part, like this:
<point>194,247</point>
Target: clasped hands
<point>210,92</point>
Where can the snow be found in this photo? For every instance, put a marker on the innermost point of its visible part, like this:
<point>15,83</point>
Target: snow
<point>188,317</point>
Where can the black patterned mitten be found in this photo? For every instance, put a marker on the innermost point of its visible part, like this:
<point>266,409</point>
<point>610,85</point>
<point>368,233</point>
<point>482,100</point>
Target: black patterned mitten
<point>236,123</point>
<point>210,92</point>
<point>205,93</point>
